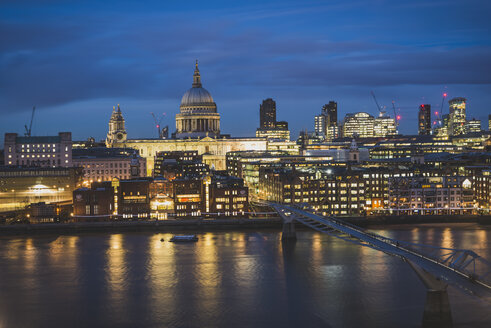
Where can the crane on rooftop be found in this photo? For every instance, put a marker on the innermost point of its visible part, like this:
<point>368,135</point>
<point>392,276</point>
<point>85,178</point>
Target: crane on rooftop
<point>439,116</point>
<point>396,117</point>
<point>29,130</point>
<point>157,123</point>
<point>381,109</point>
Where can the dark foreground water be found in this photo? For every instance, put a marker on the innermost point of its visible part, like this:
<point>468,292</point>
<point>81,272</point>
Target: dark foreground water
<point>226,279</point>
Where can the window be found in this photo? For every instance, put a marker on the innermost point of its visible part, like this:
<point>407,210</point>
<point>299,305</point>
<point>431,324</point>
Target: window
<point>87,209</point>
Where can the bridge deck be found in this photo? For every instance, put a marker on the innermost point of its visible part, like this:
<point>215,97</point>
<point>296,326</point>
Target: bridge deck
<point>458,267</point>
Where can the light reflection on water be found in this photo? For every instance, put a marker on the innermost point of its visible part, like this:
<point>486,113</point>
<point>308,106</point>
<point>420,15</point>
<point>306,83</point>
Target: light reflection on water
<point>226,279</point>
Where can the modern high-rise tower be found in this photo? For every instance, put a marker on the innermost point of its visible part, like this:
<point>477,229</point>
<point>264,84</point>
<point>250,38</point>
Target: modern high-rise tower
<point>268,126</point>
<point>331,111</point>
<point>424,119</point>
<point>267,114</point>
<point>326,124</point>
<point>457,116</point>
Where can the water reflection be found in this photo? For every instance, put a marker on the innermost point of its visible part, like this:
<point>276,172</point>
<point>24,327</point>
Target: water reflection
<point>225,279</point>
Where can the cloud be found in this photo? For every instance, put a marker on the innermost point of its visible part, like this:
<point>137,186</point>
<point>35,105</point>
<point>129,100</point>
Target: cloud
<point>76,55</point>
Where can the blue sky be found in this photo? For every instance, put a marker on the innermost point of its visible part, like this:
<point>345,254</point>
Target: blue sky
<point>75,60</point>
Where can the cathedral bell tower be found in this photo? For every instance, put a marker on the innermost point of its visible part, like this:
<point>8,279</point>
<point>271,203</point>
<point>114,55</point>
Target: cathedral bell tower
<point>117,132</point>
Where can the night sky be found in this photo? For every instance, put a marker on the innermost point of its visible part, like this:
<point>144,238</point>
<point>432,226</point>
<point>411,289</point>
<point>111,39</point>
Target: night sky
<point>76,60</point>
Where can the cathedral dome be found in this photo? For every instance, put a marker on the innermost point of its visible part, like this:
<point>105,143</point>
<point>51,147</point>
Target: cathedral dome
<point>198,117</point>
<point>197,99</point>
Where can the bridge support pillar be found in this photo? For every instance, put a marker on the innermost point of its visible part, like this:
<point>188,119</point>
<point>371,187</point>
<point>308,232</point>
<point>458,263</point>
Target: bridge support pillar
<point>288,232</point>
<point>437,309</point>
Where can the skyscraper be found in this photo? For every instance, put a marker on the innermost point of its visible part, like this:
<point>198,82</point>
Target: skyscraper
<point>269,127</point>
<point>489,122</point>
<point>267,114</point>
<point>424,119</point>
<point>331,111</point>
<point>326,122</point>
<point>457,116</point>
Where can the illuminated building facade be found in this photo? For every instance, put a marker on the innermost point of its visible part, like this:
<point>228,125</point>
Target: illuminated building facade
<point>213,195</point>
<point>47,151</point>
<point>431,195</point>
<point>247,164</point>
<point>473,126</point>
<point>43,213</point>
<point>424,119</point>
<point>187,197</point>
<point>134,198</point>
<point>457,118</point>
<point>274,134</point>
<point>482,188</point>
<point>291,147</point>
<point>225,195</point>
<point>384,126</point>
<point>330,191</point>
<point>21,186</point>
<point>179,164</point>
<point>407,146</point>
<point>306,138</point>
<point>122,199</point>
<point>213,150</point>
<point>104,164</point>
<point>358,125</point>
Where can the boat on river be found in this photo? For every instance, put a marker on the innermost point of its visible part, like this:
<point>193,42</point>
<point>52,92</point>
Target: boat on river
<point>184,238</point>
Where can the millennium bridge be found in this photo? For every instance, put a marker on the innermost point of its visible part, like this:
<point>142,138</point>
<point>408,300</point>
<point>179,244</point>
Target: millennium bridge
<point>437,267</point>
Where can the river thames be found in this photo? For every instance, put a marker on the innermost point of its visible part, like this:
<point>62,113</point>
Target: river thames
<point>226,279</point>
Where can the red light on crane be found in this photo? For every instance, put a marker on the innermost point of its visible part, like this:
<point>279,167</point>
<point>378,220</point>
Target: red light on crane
<point>445,95</point>
<point>436,113</point>
<point>398,117</point>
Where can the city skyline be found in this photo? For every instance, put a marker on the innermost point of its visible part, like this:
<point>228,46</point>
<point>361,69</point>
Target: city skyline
<point>77,69</point>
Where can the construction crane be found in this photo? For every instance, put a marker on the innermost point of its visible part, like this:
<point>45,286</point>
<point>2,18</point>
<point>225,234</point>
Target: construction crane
<point>439,116</point>
<point>157,123</point>
<point>396,117</point>
<point>28,131</point>
<point>164,134</point>
<point>379,108</point>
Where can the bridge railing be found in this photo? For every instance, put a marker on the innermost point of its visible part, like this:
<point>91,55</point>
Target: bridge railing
<point>466,264</point>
